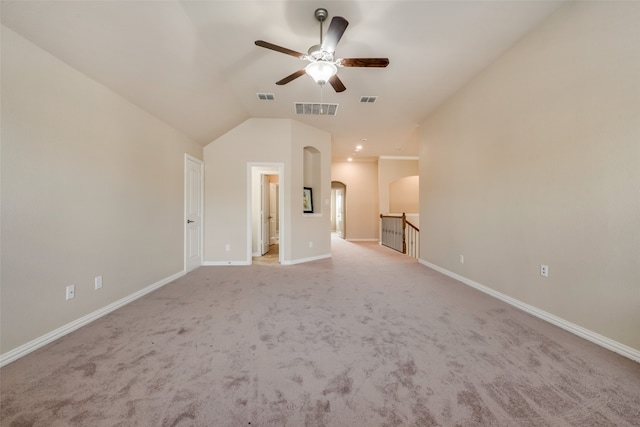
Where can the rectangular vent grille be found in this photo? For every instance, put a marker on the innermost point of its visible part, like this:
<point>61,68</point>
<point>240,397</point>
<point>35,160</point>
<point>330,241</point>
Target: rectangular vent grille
<point>315,109</point>
<point>368,99</point>
<point>266,96</point>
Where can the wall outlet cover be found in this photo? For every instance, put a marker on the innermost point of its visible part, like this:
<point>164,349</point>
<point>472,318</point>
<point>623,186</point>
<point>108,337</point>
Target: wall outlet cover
<point>544,270</point>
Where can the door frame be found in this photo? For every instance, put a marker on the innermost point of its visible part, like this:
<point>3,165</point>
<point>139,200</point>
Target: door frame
<point>334,186</point>
<point>265,210</point>
<point>265,168</point>
<point>188,158</point>
<point>273,201</point>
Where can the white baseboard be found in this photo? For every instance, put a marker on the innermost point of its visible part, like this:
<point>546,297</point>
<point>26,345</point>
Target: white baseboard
<point>45,339</point>
<point>223,263</point>
<point>362,240</point>
<point>291,262</point>
<point>302,260</point>
<point>595,338</point>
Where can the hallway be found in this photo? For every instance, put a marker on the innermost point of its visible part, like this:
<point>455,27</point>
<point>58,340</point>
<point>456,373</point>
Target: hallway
<point>270,258</point>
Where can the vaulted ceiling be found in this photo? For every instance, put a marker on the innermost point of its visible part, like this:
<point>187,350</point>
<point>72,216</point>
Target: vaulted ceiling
<point>194,64</point>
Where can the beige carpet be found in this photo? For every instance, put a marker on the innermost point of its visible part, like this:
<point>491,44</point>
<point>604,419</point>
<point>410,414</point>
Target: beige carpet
<point>367,338</point>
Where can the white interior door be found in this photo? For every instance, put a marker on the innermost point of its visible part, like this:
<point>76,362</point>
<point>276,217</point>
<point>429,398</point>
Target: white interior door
<point>265,195</point>
<point>273,213</point>
<point>193,213</point>
<point>340,212</point>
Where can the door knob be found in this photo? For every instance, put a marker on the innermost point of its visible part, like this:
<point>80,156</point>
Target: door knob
<point>189,221</point>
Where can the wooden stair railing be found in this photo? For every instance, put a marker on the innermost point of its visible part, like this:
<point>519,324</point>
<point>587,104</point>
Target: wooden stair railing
<point>400,235</point>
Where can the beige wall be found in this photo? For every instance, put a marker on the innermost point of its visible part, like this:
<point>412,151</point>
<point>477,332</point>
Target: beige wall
<point>361,207</point>
<point>537,161</point>
<point>404,195</point>
<point>390,169</point>
<point>91,185</point>
<point>258,142</point>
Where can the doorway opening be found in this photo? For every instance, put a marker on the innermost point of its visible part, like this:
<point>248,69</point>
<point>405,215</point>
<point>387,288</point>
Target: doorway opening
<point>265,213</point>
<point>338,209</point>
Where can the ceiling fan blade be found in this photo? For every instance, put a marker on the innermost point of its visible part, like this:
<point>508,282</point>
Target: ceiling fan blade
<point>280,49</point>
<point>291,77</point>
<point>364,62</point>
<point>334,33</point>
<point>337,83</point>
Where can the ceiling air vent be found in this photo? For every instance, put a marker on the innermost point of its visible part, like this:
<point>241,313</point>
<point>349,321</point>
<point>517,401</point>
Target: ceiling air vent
<point>368,99</point>
<point>266,96</point>
<point>315,109</point>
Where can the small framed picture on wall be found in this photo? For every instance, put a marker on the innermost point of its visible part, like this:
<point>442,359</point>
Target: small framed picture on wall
<point>307,200</point>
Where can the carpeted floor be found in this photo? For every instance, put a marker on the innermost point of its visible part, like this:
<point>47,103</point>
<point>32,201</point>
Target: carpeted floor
<point>367,338</point>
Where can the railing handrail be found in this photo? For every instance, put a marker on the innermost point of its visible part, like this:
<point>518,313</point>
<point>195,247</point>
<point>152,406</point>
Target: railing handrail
<point>413,226</point>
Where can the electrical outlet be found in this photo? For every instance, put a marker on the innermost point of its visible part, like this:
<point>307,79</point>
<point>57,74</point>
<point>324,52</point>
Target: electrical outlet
<point>461,259</point>
<point>98,282</point>
<point>227,247</point>
<point>544,270</point>
<point>71,292</point>
<point>310,244</point>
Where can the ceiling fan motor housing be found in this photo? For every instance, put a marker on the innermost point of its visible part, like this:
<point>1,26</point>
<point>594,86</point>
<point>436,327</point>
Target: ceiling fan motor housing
<point>315,51</point>
<point>317,54</point>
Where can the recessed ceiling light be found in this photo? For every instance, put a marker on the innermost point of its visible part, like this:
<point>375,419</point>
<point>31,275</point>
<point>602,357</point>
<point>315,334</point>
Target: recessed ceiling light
<point>350,159</point>
<point>359,147</point>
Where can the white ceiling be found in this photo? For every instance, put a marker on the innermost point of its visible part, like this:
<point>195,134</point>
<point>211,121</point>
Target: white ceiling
<point>194,64</point>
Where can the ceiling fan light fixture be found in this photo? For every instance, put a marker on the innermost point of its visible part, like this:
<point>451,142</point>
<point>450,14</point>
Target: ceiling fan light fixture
<point>321,71</point>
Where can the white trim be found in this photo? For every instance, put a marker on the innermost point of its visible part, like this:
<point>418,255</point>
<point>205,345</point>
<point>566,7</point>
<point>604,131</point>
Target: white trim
<point>302,260</point>
<point>201,163</point>
<point>594,337</point>
<point>399,158</point>
<point>224,263</point>
<point>362,240</point>
<point>47,338</point>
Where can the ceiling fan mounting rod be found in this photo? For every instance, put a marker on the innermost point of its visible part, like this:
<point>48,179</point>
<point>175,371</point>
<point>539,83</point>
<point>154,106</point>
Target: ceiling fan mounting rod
<point>321,14</point>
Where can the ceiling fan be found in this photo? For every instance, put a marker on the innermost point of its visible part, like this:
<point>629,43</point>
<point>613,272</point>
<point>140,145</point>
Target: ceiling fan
<point>323,66</point>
